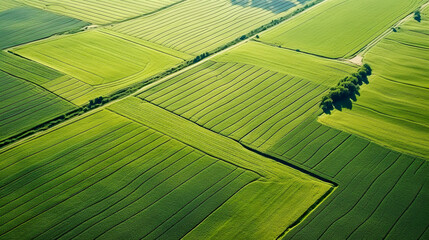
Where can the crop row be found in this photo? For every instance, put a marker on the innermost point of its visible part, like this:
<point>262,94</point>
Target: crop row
<point>26,29</point>
<point>371,181</point>
<point>199,26</point>
<point>142,173</point>
<point>247,103</point>
<point>26,69</point>
<point>101,12</point>
<point>24,104</point>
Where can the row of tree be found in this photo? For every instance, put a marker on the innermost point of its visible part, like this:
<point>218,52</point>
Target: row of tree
<point>346,88</point>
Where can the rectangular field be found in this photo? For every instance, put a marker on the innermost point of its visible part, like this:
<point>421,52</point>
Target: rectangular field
<point>99,62</point>
<point>318,70</point>
<point>340,28</point>
<point>198,26</point>
<point>26,24</point>
<point>101,11</point>
<point>392,110</point>
<point>137,168</point>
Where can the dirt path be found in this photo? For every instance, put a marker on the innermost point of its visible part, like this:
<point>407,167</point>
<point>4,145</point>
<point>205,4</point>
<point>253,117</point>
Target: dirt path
<point>358,59</point>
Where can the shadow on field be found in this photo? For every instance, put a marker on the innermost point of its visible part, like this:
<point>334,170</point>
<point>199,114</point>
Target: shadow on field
<point>275,6</point>
<point>348,104</point>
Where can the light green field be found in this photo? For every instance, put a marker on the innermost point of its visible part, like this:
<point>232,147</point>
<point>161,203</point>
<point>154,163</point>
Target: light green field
<point>97,57</point>
<point>100,11</point>
<point>392,110</point>
<point>316,69</point>
<point>8,4</point>
<point>106,173</point>
<point>340,28</point>
<point>197,26</point>
<point>98,62</point>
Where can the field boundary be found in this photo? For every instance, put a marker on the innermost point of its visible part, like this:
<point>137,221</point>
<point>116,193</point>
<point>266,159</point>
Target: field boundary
<point>159,78</point>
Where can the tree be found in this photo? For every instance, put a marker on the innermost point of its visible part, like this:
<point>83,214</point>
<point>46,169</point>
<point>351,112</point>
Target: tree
<point>367,69</point>
<point>417,16</point>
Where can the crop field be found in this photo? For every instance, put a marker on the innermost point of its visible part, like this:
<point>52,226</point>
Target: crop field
<point>397,95</point>
<point>8,4</point>
<point>214,119</point>
<point>381,194</point>
<point>98,62</point>
<point>23,104</point>
<point>198,26</point>
<point>340,28</point>
<point>101,11</point>
<point>25,24</point>
<point>129,172</point>
<point>247,103</point>
<point>315,69</point>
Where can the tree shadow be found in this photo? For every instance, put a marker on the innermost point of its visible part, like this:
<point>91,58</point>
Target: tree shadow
<point>347,103</point>
<point>275,6</point>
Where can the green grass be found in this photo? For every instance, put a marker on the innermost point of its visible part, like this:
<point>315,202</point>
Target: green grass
<point>103,174</point>
<point>198,26</point>
<point>340,28</point>
<point>253,105</point>
<point>315,69</point>
<point>24,105</point>
<point>397,95</point>
<point>100,12</point>
<point>98,62</point>
<point>25,24</point>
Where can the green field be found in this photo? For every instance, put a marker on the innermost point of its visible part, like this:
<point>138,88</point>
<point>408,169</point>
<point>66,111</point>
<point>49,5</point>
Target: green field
<point>100,11</point>
<point>25,24</point>
<point>185,119</point>
<point>98,62</point>
<point>28,70</point>
<point>382,194</point>
<point>197,26</point>
<point>8,4</point>
<point>23,105</point>
<point>397,95</point>
<point>113,170</point>
<point>315,69</point>
<point>340,28</point>
<point>247,103</point>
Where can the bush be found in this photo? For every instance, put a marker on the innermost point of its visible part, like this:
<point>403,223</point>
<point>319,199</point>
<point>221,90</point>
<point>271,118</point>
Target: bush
<point>417,16</point>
